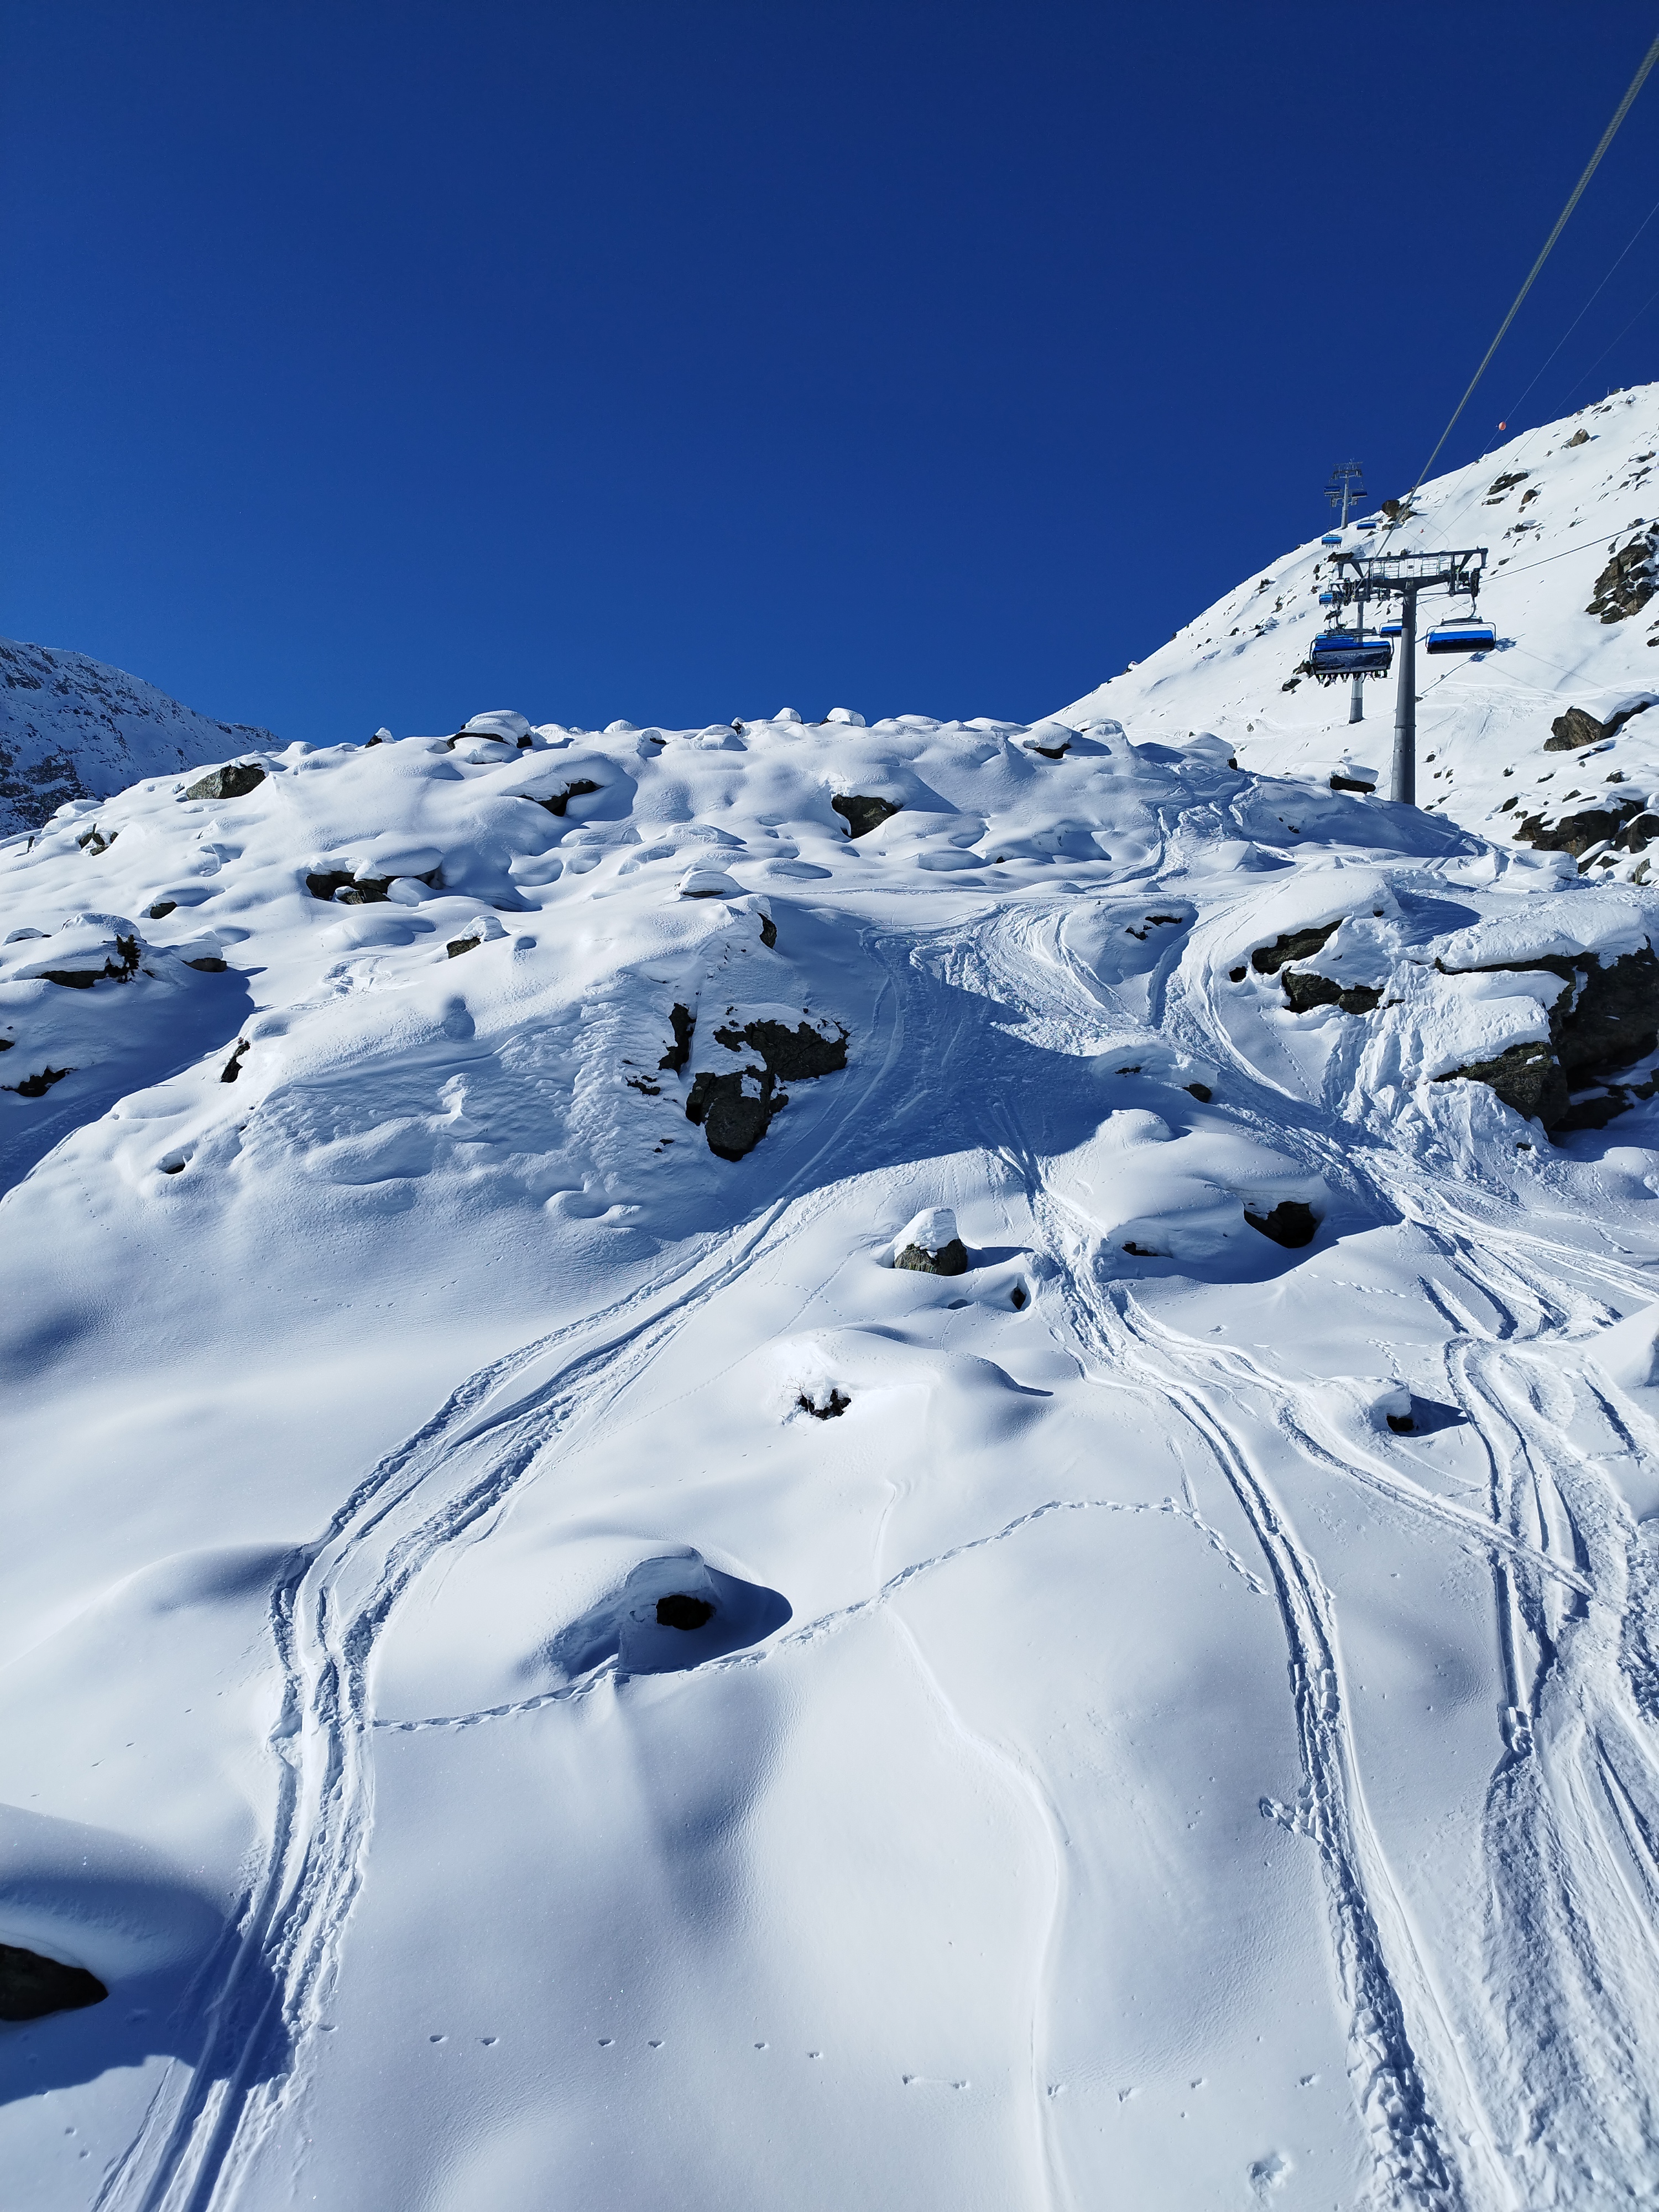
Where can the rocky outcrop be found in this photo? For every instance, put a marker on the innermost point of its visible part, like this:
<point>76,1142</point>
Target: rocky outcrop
<point>1303,991</point>
<point>735,1106</point>
<point>862,814</point>
<point>1527,1077</point>
<point>348,888</point>
<point>1575,728</point>
<point>683,1022</point>
<point>792,1055</point>
<point>1605,1021</point>
<point>560,799</point>
<point>929,1245</point>
<point>733,1111</point>
<point>1291,1223</point>
<point>31,1986</point>
<point>1576,832</point>
<point>235,781</point>
<point>1629,581</point>
<point>1298,945</point>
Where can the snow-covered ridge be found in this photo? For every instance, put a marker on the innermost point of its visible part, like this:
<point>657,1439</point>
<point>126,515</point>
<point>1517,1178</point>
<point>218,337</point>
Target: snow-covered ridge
<point>799,1463</point>
<point>72,728</point>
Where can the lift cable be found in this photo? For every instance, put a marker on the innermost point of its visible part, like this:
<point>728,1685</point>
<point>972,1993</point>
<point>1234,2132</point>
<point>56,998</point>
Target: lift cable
<point>1513,411</point>
<point>1607,135</point>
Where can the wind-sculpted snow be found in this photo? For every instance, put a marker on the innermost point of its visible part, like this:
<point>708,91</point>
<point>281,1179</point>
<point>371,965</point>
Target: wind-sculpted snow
<point>549,1659</point>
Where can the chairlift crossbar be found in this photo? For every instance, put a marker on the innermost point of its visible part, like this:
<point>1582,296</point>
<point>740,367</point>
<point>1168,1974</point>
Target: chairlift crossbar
<point>1382,574</point>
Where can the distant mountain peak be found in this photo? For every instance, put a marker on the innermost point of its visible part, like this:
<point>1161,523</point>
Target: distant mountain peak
<point>72,727</point>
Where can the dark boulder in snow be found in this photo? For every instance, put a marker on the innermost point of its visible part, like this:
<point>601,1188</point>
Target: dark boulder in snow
<point>1303,990</point>
<point>1527,1077</point>
<point>31,1986</point>
<point>1291,1223</point>
<point>1298,945</point>
<point>683,1023</point>
<point>1575,833</point>
<point>862,813</point>
<point>235,781</point>
<point>1606,1020</point>
<point>1575,728</point>
<point>929,1245</point>
<point>792,1055</point>
<point>732,1110</point>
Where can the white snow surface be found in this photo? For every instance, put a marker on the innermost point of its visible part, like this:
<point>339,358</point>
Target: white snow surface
<point>540,1668</point>
<point>72,727</point>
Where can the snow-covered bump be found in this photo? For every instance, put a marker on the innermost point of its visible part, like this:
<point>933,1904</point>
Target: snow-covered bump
<point>708,883</point>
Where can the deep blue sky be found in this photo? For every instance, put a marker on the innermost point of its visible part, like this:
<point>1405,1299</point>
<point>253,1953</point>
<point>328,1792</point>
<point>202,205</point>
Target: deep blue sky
<point>366,362</point>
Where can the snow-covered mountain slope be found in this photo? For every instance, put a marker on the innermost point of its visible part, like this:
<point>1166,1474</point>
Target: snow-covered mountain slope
<point>1569,514</point>
<point>1067,1618</point>
<point>73,728</point>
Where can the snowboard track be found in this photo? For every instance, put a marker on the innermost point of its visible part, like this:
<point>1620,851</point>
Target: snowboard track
<point>1540,2098</point>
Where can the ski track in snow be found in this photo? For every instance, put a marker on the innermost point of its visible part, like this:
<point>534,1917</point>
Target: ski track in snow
<point>1514,2070</point>
<point>1574,1800</point>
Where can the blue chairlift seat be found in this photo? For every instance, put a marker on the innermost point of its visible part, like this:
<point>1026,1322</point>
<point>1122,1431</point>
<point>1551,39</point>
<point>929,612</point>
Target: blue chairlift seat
<point>1327,598</point>
<point>1392,628</point>
<point>1348,653</point>
<point>1331,538</point>
<point>1461,637</point>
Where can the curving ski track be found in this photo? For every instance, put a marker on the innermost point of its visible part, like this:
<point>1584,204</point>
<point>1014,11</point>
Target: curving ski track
<point>1549,2100</point>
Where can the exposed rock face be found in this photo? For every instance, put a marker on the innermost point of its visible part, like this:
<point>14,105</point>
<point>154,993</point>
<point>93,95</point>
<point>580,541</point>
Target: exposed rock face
<point>735,1107</point>
<point>733,1111</point>
<point>561,799</point>
<point>349,889</point>
<point>862,815</point>
<point>1607,1019</point>
<point>1352,783</point>
<point>1300,944</point>
<point>1304,991</point>
<point>1527,1077</point>
<point>1507,482</point>
<point>1291,1223</point>
<point>1629,581</point>
<point>1579,438</point>
<point>793,1055</point>
<point>929,1245</point>
<point>1574,728</point>
<point>680,1610</point>
<point>1576,832</point>
<point>37,1085</point>
<point>235,781</point>
<point>683,1022</point>
<point>31,1986</point>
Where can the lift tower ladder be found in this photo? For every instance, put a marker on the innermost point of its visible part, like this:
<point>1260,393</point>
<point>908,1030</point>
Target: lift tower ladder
<point>1402,576</point>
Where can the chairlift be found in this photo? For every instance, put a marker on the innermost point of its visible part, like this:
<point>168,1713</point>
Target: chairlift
<point>1331,538</point>
<point>1327,598</point>
<point>1461,637</point>
<point>1336,653</point>
<point>1392,628</point>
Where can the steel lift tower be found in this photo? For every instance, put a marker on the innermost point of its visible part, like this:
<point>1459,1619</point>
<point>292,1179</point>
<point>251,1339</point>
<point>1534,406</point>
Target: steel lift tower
<point>1364,576</point>
<point>1346,488</point>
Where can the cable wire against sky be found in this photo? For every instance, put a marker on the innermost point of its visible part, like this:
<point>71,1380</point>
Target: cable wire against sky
<point>1513,411</point>
<point>1607,136</point>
